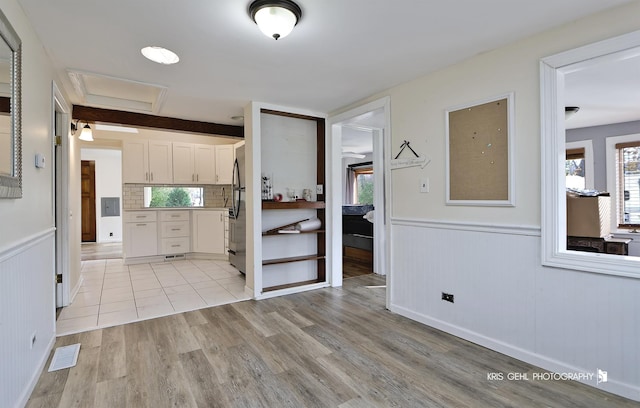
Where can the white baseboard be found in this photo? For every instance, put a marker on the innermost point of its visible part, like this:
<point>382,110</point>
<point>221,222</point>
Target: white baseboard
<point>615,387</point>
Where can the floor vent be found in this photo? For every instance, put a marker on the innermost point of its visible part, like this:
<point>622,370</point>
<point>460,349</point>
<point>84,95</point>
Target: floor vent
<point>65,357</point>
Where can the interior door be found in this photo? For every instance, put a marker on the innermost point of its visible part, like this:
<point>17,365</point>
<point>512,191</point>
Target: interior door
<point>88,173</point>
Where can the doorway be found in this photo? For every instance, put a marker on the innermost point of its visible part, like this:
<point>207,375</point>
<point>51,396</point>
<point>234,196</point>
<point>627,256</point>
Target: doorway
<point>373,117</point>
<point>88,191</point>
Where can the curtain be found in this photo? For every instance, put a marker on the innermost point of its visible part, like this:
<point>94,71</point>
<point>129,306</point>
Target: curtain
<point>349,188</point>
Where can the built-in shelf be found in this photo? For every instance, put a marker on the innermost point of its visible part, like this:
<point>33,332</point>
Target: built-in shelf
<point>290,285</point>
<point>289,205</point>
<point>292,259</point>
<point>268,234</point>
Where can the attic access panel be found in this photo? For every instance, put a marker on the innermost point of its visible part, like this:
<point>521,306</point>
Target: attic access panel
<point>479,153</point>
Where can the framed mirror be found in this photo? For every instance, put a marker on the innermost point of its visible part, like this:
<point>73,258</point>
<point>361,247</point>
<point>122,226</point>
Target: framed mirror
<point>10,111</point>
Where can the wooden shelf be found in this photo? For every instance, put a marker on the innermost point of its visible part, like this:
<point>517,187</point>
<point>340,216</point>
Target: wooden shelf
<point>291,285</point>
<point>289,205</point>
<point>292,259</point>
<point>270,234</point>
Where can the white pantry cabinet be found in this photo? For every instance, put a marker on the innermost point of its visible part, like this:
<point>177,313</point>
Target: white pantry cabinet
<point>147,161</point>
<point>207,231</point>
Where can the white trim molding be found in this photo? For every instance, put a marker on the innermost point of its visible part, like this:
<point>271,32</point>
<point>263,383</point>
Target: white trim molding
<point>553,206</point>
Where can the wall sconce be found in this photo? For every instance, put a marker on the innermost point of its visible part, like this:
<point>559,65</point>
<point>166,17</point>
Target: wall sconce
<point>275,18</point>
<point>86,134</point>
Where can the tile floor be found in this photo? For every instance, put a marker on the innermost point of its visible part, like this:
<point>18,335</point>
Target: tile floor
<point>113,293</point>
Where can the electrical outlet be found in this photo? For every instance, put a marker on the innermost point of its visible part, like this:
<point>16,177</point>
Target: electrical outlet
<point>447,297</point>
<point>424,185</point>
<point>319,189</point>
<point>111,234</point>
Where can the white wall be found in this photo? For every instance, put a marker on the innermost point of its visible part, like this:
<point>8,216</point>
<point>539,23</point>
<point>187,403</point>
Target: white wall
<point>108,168</point>
<point>559,319</point>
<point>489,257</point>
<point>26,238</point>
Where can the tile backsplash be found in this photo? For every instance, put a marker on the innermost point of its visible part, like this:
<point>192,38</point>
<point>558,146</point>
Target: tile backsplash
<point>214,196</point>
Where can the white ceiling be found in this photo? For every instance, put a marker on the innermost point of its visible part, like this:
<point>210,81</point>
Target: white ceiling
<point>340,52</point>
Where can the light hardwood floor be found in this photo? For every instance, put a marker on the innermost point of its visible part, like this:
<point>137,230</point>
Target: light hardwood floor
<point>325,348</point>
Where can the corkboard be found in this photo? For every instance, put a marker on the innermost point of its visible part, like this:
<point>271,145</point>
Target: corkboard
<point>478,154</point>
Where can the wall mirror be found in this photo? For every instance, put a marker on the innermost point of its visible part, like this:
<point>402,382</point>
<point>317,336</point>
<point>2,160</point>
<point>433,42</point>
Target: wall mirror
<point>10,111</point>
<point>556,72</point>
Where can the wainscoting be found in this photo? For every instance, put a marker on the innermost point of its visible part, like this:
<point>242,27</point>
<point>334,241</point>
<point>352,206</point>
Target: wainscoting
<point>560,320</point>
<point>27,312</point>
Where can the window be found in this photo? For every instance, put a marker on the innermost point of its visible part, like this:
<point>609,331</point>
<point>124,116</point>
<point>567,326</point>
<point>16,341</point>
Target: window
<point>574,169</point>
<point>628,183</point>
<point>172,197</point>
<point>364,185</point>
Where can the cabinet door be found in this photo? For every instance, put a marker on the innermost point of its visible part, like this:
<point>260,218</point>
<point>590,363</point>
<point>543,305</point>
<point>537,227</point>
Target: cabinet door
<point>205,164</point>
<point>141,239</point>
<point>207,231</point>
<point>160,162</point>
<point>183,169</point>
<point>135,161</point>
<point>224,164</point>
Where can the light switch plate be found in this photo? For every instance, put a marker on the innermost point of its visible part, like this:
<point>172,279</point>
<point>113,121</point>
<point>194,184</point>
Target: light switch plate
<point>424,185</point>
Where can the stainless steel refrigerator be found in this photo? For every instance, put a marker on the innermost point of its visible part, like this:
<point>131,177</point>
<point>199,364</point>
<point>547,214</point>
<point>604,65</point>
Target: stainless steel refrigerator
<point>238,215</point>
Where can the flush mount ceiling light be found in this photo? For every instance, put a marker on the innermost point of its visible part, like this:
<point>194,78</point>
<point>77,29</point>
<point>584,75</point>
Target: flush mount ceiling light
<point>275,18</point>
<point>160,55</point>
<point>86,134</point>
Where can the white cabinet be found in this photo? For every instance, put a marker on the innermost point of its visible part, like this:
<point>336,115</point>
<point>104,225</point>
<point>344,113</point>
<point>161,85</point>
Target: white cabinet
<point>224,164</point>
<point>183,172</point>
<point>140,234</point>
<point>175,232</point>
<point>207,231</point>
<point>196,163</point>
<point>147,161</point>
<point>205,163</point>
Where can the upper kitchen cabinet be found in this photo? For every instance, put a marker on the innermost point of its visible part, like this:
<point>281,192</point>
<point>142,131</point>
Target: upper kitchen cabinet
<point>147,161</point>
<point>224,164</point>
<point>202,164</point>
<point>205,163</point>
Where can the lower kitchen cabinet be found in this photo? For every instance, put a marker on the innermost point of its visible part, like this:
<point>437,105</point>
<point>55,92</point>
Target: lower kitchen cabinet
<point>140,234</point>
<point>207,228</point>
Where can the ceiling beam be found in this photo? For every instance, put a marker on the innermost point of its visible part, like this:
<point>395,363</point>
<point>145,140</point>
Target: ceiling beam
<point>90,114</point>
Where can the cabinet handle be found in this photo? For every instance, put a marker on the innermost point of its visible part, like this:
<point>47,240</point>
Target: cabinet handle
<point>175,229</point>
<point>217,178</point>
<point>220,217</point>
<point>146,176</point>
<point>141,225</point>
<point>175,246</point>
<point>174,216</point>
<point>141,216</point>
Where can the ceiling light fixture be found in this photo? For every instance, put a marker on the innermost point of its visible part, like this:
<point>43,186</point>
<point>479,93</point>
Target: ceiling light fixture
<point>86,134</point>
<point>275,18</point>
<point>160,55</point>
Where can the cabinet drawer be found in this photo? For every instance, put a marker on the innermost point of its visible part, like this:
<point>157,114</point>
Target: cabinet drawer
<point>174,215</point>
<point>178,245</point>
<point>172,229</point>
<point>139,216</point>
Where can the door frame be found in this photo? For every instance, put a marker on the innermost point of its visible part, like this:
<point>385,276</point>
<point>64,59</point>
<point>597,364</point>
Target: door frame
<point>61,118</point>
<point>381,147</point>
